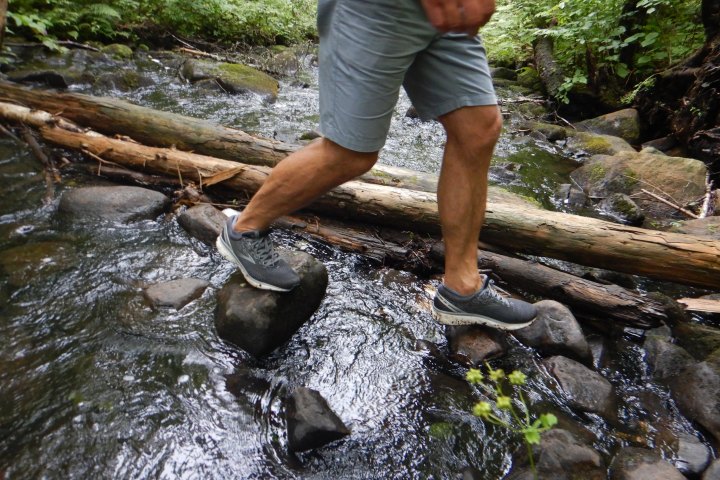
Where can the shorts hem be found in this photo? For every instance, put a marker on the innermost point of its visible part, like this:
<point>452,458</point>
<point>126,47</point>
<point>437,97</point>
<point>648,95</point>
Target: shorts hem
<point>353,144</point>
<point>440,109</point>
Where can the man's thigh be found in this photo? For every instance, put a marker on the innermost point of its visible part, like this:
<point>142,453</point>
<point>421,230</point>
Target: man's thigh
<point>366,48</point>
<point>451,73</point>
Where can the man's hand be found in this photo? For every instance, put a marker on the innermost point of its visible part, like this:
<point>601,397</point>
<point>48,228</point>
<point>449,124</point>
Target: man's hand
<point>464,16</point>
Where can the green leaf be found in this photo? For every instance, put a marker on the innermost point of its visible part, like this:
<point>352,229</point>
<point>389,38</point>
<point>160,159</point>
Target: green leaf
<point>532,436</point>
<point>548,420</point>
<point>621,70</point>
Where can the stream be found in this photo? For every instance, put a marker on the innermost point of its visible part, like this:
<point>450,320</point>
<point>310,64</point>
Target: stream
<point>94,383</point>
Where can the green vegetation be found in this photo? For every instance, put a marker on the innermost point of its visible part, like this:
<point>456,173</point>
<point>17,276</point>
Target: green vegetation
<point>596,40</point>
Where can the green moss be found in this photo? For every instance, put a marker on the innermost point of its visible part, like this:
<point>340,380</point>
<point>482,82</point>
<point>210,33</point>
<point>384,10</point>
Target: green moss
<point>630,178</point>
<point>597,172</point>
<point>441,430</point>
<point>118,51</point>
<point>130,79</point>
<point>596,145</point>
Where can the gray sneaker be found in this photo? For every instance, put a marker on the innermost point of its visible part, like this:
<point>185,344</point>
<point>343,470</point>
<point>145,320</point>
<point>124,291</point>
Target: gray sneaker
<point>253,252</point>
<point>484,307</point>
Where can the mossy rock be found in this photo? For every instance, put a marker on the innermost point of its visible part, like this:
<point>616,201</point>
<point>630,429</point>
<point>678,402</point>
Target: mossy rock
<point>54,77</point>
<point>233,77</point>
<point>551,132</point>
<point>528,77</point>
<point>597,144</point>
<point>705,227</point>
<point>623,123</point>
<point>700,341</point>
<point>118,51</point>
<point>497,194</point>
<point>682,179</point>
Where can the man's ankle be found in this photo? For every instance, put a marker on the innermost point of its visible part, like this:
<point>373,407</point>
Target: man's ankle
<point>464,286</point>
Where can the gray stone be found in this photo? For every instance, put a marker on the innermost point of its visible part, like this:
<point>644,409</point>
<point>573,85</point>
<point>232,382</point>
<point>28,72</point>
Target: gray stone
<point>471,345</point>
<point>696,391</point>
<point>685,451</point>
<point>585,389</point>
<point>555,331</point>
<point>597,144</point>
<point>310,421</point>
<point>113,204</point>
<point>633,463</point>
<point>560,456</point>
<point>682,179</point>
<point>665,360</point>
<point>698,340</point>
<point>175,293</point>
<point>705,227</point>
<point>623,123</point>
<point>552,132</point>
<point>203,222</point>
<point>233,77</point>
<point>622,208</point>
<point>259,321</point>
<point>713,471</point>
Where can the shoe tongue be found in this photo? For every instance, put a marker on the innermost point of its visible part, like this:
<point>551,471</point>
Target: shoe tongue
<point>255,233</point>
<point>485,282</point>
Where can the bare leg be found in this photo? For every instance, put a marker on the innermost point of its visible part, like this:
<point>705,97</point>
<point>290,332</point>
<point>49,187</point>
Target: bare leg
<point>472,133</point>
<point>300,178</point>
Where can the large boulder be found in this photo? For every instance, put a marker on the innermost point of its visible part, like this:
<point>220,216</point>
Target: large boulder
<point>175,293</point>
<point>259,321</point>
<point>633,463</point>
<point>310,421</point>
<point>697,392</point>
<point>203,222</point>
<point>682,179</point>
<point>597,144</point>
<point>623,123</point>
<point>113,204</point>
<point>233,77</point>
<point>584,388</point>
<point>555,331</point>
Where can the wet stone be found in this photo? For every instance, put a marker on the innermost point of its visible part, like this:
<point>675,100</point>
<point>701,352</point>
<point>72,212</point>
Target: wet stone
<point>310,421</point>
<point>259,321</point>
<point>203,222</point>
<point>686,452</point>
<point>697,392</point>
<point>555,331</point>
<point>622,208</point>
<point>113,204</point>
<point>472,345</point>
<point>585,389</point>
<point>560,456</point>
<point>633,463</point>
<point>665,360</point>
<point>175,293</point>
<point>699,340</point>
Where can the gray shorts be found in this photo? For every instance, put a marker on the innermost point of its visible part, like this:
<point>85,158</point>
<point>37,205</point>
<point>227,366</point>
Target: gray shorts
<point>369,48</point>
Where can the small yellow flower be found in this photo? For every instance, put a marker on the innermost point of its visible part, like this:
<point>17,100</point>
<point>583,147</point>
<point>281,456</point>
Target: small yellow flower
<point>497,375</point>
<point>503,402</point>
<point>474,376</point>
<point>482,409</point>
<point>517,378</point>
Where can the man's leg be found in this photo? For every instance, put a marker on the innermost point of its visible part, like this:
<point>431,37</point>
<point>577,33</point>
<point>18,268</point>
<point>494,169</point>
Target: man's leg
<point>462,192</point>
<point>300,178</point>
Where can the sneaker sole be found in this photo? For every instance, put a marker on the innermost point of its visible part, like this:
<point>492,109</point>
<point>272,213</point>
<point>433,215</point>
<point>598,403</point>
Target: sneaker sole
<point>229,256</point>
<point>460,319</point>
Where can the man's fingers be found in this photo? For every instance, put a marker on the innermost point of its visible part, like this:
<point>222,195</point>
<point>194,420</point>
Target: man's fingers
<point>459,15</point>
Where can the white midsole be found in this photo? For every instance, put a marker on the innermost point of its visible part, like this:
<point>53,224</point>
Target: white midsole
<point>459,319</point>
<point>231,258</point>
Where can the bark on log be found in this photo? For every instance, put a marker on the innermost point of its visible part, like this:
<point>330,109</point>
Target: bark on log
<point>3,21</point>
<point>163,129</point>
<point>661,255</point>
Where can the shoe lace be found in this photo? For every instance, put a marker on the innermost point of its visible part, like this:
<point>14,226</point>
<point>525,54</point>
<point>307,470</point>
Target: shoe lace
<point>490,291</point>
<point>265,254</point>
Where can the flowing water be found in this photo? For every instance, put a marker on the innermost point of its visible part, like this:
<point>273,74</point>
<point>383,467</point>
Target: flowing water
<point>96,384</point>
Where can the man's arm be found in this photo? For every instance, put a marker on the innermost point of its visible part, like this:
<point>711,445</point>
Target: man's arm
<point>459,15</point>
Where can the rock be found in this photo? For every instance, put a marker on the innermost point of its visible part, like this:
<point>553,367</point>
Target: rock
<point>682,179</point>
<point>713,471</point>
<point>470,345</point>
<point>585,389</point>
<point>552,132</point>
<point>113,204</point>
<point>652,150</point>
<point>570,196</point>
<point>203,222</point>
<point>24,263</point>
<point>310,135</point>
<point>528,77</point>
<point>697,392</point>
<point>705,227</point>
<point>622,208</point>
<point>555,331</point>
<point>560,456</point>
<point>623,123</point>
<point>664,144</point>
<point>699,340</point>
<point>58,77</point>
<point>598,349</point>
<point>310,421</point>
<point>685,451</point>
<point>597,144</point>
<point>632,463</point>
<point>233,77</point>
<point>175,293</point>
<point>504,73</point>
<point>412,112</point>
<point>118,51</point>
<point>665,360</point>
<point>259,321</point>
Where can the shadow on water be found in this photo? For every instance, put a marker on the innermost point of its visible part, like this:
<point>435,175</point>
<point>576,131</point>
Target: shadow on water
<point>94,383</point>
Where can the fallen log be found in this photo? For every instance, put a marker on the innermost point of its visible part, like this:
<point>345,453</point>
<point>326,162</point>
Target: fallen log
<point>660,255</point>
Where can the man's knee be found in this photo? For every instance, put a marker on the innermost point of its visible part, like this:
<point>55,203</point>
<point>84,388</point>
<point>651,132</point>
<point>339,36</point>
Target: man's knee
<point>474,129</point>
<point>352,162</point>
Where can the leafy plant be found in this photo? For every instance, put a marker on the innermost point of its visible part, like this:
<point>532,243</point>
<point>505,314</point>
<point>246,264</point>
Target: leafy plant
<point>513,419</point>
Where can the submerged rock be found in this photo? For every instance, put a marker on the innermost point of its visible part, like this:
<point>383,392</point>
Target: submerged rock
<point>633,463</point>
<point>310,421</point>
<point>560,456</point>
<point>555,331</point>
<point>259,321</point>
<point>623,123</point>
<point>233,77</point>
<point>113,204</point>
<point>585,389</point>
<point>622,208</point>
<point>203,222</point>
<point>472,345</point>
<point>175,293</point>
